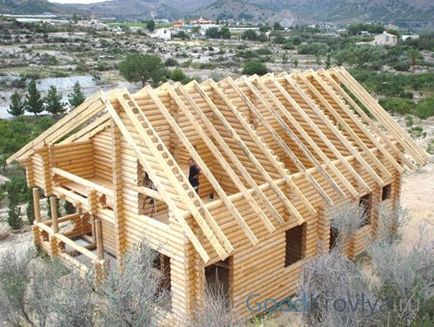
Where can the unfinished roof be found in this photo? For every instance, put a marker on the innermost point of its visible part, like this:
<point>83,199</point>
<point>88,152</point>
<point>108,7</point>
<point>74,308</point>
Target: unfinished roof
<point>260,130</point>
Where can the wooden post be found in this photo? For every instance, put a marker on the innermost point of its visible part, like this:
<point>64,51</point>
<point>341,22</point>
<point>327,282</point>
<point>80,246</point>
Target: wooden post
<point>99,240</point>
<point>53,207</point>
<point>36,205</point>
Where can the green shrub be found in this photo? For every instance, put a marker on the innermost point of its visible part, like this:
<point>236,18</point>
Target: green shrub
<point>425,108</point>
<point>397,105</point>
<point>430,147</point>
<point>254,67</point>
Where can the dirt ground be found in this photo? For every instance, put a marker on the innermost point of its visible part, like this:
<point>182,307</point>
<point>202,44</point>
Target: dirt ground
<point>417,197</point>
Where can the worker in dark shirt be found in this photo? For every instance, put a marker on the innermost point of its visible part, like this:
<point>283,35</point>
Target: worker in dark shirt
<point>193,175</point>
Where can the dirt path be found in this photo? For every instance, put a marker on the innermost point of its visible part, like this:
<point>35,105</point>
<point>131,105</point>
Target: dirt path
<point>417,196</point>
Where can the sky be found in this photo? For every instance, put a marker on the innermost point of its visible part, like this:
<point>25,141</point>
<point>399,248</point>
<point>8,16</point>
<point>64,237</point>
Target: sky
<point>76,1</point>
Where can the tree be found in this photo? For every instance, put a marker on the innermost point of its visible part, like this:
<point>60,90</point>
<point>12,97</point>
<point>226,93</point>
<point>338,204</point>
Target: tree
<point>53,101</point>
<point>277,26</point>
<point>250,35</point>
<point>142,68</point>
<point>33,102</point>
<point>414,56</point>
<point>150,25</point>
<point>14,219</point>
<point>16,108</point>
<point>212,33</point>
<point>295,62</point>
<point>254,67</point>
<point>225,33</point>
<point>77,97</point>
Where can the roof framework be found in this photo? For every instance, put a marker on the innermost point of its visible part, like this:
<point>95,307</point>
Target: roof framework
<point>260,131</point>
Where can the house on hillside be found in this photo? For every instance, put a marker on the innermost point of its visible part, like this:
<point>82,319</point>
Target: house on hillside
<point>276,154</point>
<point>385,38</point>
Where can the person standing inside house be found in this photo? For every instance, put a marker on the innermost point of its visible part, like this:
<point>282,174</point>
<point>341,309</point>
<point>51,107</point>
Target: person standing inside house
<point>193,175</point>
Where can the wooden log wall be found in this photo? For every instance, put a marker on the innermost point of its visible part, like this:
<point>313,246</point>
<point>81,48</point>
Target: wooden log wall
<point>39,166</point>
<point>103,151</point>
<point>76,158</point>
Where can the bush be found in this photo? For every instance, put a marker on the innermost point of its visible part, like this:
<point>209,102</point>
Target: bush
<point>425,108</point>
<point>170,62</point>
<point>397,105</point>
<point>254,67</point>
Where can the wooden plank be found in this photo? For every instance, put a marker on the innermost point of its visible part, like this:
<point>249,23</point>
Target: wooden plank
<point>233,134</point>
<point>63,126</point>
<point>82,181</point>
<point>220,158</point>
<point>392,127</point>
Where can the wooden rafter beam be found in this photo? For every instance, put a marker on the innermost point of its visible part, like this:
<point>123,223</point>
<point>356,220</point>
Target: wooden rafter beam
<point>87,132</point>
<point>72,120</point>
<point>391,126</point>
<point>193,106</point>
<point>325,75</point>
<point>184,189</point>
<point>272,159</point>
<point>249,155</point>
<point>277,112</point>
<point>321,135</point>
<point>204,168</point>
<point>350,130</point>
<point>170,203</point>
<point>287,150</point>
<point>335,131</point>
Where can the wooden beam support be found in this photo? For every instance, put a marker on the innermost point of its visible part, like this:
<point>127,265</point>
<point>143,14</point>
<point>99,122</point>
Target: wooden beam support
<point>325,75</point>
<point>276,113</point>
<point>391,126</point>
<point>287,151</point>
<point>53,209</point>
<point>266,151</point>
<point>348,128</point>
<point>226,149</point>
<point>204,168</point>
<point>220,158</point>
<point>334,130</point>
<point>37,205</point>
<point>251,157</point>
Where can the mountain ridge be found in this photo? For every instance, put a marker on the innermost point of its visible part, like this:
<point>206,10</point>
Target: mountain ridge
<point>411,13</point>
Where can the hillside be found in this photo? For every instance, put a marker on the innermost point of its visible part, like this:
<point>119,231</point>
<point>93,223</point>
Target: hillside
<point>406,13</point>
<point>409,13</point>
<point>245,9</point>
<point>27,7</point>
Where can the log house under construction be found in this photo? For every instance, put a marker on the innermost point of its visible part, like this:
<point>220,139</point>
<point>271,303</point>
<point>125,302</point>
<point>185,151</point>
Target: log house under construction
<point>276,152</point>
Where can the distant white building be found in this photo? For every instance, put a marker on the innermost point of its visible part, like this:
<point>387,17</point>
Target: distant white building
<point>385,38</point>
<point>409,37</point>
<point>162,34</point>
<point>93,23</point>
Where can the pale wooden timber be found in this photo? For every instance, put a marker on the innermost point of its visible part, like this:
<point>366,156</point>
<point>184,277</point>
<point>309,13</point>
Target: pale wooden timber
<point>277,155</point>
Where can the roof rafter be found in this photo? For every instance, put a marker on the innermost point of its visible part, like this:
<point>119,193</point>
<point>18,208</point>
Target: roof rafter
<point>250,155</point>
<point>337,133</point>
<point>212,147</point>
<point>272,158</point>
<point>176,213</point>
<point>196,157</point>
<point>227,150</point>
<point>350,130</point>
<point>278,115</point>
<point>327,78</point>
<point>287,150</point>
<point>186,192</point>
<point>391,126</point>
